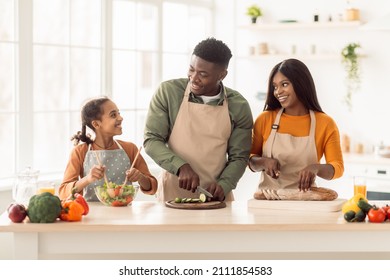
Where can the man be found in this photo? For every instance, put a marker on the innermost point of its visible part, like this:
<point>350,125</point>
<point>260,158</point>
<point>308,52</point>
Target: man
<point>198,130</point>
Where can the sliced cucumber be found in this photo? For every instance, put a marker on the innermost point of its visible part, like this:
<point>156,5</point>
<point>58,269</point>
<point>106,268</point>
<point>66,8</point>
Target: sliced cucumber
<point>202,197</point>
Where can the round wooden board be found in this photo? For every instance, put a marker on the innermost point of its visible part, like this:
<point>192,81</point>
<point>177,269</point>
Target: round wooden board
<point>196,206</point>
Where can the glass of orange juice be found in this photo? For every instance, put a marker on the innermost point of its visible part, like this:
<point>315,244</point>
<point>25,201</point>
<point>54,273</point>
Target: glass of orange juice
<point>49,189</point>
<point>359,185</point>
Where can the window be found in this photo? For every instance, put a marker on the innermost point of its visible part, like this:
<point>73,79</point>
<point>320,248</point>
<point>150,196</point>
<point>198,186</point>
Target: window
<point>78,49</point>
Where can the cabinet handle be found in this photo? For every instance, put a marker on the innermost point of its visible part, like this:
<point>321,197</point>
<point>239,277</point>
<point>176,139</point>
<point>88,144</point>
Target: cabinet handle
<point>384,172</point>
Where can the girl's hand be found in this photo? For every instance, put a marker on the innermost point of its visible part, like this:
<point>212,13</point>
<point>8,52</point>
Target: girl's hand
<point>96,173</point>
<point>272,167</point>
<point>134,175</point>
<point>307,177</point>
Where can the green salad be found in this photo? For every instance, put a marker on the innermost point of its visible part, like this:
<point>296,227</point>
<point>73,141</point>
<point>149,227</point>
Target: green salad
<point>116,195</point>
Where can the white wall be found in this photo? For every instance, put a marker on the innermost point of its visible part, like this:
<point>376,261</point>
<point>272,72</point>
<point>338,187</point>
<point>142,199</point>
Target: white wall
<point>366,122</point>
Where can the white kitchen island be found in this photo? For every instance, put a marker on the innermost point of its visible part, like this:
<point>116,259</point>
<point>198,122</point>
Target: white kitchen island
<point>150,230</point>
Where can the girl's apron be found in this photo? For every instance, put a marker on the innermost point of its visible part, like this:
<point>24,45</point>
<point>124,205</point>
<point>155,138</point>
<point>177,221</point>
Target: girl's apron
<point>199,136</point>
<point>116,163</point>
<point>293,154</point>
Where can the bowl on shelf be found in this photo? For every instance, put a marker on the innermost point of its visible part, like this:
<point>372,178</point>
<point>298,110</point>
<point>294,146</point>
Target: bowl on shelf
<point>385,153</point>
<point>116,195</point>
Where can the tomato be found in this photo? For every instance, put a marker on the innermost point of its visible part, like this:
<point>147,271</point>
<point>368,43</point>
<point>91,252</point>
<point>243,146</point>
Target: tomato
<point>118,191</point>
<point>117,203</point>
<point>376,215</point>
<point>386,209</point>
<point>388,214</point>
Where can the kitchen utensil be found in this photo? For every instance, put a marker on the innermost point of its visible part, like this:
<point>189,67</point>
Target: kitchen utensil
<point>196,206</point>
<point>100,163</point>
<point>204,191</point>
<point>132,165</point>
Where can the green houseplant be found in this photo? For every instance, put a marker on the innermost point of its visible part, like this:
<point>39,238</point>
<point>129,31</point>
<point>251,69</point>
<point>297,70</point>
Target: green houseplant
<point>351,63</point>
<point>254,12</point>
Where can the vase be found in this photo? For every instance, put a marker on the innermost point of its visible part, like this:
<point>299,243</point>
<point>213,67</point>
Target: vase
<point>254,20</point>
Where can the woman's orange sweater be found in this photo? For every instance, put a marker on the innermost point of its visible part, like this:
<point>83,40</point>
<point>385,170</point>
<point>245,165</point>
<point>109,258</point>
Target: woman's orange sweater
<point>327,136</point>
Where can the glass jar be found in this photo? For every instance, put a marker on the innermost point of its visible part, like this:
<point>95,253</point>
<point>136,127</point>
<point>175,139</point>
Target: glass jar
<point>25,186</point>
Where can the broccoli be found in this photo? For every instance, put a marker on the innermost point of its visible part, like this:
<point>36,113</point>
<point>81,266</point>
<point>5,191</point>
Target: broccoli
<point>44,208</point>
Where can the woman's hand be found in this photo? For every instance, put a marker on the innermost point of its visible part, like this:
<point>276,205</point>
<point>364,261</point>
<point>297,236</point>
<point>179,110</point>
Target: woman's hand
<point>272,167</point>
<point>307,177</point>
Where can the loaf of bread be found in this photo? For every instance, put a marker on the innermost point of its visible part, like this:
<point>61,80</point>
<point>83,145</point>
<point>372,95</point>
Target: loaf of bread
<point>315,193</point>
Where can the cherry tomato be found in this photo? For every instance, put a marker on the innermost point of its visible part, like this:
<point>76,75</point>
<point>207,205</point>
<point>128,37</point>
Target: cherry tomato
<point>376,215</point>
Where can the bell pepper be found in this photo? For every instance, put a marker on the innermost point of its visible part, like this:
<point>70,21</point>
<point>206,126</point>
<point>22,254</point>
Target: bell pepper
<point>71,211</point>
<point>80,199</point>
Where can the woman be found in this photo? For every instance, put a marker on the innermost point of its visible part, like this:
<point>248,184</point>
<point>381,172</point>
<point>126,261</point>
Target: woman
<point>103,155</point>
<point>292,134</point>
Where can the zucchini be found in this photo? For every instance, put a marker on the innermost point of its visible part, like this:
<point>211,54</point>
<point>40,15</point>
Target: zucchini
<point>364,205</point>
<point>359,217</point>
<point>349,216</point>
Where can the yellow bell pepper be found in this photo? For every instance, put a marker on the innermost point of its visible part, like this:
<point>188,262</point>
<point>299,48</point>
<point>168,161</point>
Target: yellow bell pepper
<point>351,204</point>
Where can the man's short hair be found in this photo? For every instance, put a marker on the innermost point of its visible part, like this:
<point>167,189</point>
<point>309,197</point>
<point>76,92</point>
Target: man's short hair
<point>213,50</point>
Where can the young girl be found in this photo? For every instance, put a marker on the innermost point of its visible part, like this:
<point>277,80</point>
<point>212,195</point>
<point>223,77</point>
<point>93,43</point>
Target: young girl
<point>92,159</point>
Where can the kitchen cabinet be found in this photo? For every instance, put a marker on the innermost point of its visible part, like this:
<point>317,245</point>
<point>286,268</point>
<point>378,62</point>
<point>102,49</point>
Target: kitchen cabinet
<point>150,230</point>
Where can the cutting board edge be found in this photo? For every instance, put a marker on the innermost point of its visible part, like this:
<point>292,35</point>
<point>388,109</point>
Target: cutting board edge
<point>333,205</point>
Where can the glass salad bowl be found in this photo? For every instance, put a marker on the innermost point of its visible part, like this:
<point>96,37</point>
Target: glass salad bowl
<point>116,195</point>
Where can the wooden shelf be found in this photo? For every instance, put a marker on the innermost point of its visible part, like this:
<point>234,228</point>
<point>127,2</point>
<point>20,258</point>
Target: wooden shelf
<point>301,25</point>
<point>280,56</point>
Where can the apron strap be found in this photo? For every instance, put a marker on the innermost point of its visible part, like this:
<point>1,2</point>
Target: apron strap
<point>274,129</point>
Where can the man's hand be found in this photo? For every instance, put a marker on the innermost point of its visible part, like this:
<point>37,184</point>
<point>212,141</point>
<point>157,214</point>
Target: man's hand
<point>216,190</point>
<point>188,179</point>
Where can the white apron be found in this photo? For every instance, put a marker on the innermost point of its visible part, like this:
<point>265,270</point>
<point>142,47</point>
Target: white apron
<point>116,162</point>
<point>293,154</point>
<point>199,136</point>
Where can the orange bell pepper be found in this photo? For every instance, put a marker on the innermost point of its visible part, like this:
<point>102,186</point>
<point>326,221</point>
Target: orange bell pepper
<point>71,211</point>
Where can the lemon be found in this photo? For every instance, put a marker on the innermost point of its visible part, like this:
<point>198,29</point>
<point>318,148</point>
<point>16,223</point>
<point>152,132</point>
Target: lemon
<point>357,197</point>
<point>350,205</point>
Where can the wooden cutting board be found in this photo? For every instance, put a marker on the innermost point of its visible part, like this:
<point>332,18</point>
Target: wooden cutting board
<point>196,206</point>
<point>293,205</point>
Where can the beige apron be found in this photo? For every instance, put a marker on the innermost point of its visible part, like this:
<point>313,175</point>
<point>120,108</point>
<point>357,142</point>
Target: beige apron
<point>199,136</point>
<point>293,154</point>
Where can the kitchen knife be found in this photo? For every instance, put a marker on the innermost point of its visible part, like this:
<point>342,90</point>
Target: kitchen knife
<point>202,190</point>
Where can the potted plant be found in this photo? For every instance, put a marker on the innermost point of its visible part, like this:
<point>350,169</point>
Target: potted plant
<point>351,62</point>
<point>254,12</point>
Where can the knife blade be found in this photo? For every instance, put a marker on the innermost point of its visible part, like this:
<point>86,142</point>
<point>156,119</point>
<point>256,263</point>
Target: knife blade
<point>204,191</point>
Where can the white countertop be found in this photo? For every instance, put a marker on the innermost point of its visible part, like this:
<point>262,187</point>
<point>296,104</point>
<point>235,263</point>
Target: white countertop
<point>149,228</point>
